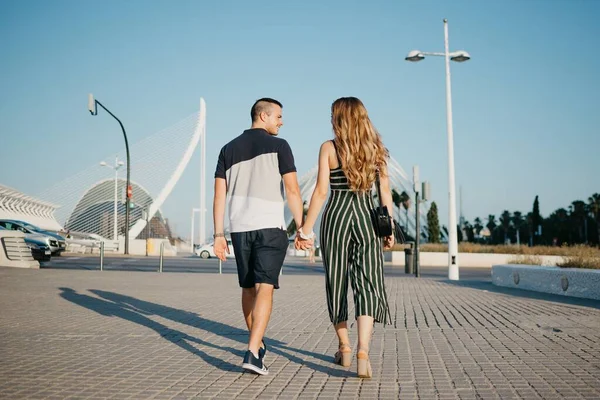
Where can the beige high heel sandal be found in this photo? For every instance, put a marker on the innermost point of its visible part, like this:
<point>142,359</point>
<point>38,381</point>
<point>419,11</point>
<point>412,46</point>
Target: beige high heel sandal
<point>343,356</point>
<point>363,364</point>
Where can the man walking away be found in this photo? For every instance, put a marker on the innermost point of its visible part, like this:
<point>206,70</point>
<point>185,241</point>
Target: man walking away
<point>248,176</point>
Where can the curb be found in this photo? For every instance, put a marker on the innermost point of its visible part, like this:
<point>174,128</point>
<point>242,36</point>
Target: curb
<point>574,282</point>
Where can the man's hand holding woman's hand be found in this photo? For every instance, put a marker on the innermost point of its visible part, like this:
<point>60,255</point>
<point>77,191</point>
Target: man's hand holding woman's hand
<point>303,241</point>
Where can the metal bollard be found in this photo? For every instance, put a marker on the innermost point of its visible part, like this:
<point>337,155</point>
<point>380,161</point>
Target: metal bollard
<point>160,264</point>
<point>101,256</point>
<point>409,259</point>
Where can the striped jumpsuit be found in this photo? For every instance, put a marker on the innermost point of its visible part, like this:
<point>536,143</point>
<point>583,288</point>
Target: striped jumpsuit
<point>351,250</point>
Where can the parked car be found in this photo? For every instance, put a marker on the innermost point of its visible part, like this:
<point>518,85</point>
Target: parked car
<point>83,239</point>
<point>208,251</point>
<point>39,249</point>
<point>109,244</point>
<point>49,240</point>
<point>62,244</point>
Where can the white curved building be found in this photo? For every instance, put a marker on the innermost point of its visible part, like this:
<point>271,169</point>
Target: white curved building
<point>19,206</point>
<point>95,211</point>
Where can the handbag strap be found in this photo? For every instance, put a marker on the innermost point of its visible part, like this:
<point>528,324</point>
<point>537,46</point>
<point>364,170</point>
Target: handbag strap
<point>378,185</point>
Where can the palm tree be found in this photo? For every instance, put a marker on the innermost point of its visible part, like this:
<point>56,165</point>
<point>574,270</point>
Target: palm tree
<point>578,218</point>
<point>558,223</point>
<point>477,225</point>
<point>469,231</point>
<point>491,225</point>
<point>517,220</point>
<point>594,207</point>
<point>505,221</point>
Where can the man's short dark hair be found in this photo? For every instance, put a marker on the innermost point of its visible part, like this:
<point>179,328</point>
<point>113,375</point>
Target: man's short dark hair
<point>262,105</point>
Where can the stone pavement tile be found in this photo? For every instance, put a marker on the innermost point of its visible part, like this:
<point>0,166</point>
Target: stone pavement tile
<point>387,395</point>
<point>161,396</point>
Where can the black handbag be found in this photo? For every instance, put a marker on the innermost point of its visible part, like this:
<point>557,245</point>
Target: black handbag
<point>381,216</point>
<point>384,224</point>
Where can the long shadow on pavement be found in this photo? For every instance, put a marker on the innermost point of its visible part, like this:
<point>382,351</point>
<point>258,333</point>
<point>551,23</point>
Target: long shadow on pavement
<point>137,311</point>
<point>528,294</point>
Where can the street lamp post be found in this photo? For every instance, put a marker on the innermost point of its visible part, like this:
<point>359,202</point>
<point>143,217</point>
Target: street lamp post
<point>118,164</point>
<point>458,56</point>
<point>196,210</point>
<point>94,111</point>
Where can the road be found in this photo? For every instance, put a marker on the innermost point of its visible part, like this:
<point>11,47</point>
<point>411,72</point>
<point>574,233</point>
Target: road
<point>193,264</point>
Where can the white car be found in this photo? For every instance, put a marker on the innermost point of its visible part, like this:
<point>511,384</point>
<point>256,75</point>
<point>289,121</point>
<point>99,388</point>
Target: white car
<point>83,239</point>
<point>208,251</point>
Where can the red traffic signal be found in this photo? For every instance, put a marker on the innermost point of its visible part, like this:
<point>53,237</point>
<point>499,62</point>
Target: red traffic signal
<point>129,192</point>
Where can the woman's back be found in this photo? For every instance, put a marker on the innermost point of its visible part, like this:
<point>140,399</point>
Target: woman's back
<point>348,241</point>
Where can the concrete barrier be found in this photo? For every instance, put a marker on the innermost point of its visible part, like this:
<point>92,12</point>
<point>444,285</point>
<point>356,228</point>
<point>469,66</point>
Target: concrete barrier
<point>154,247</point>
<point>14,252</point>
<point>576,282</point>
<point>137,247</point>
<point>464,259</point>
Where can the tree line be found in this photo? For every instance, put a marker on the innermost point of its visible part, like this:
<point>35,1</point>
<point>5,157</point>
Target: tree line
<point>579,223</point>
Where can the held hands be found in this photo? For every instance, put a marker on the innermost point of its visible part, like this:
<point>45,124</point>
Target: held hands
<point>221,248</point>
<point>303,241</point>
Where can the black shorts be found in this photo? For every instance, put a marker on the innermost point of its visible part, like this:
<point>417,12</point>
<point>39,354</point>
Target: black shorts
<point>259,255</point>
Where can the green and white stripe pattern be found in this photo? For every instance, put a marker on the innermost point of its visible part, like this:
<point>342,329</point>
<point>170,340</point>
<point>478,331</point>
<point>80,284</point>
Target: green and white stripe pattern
<point>352,251</point>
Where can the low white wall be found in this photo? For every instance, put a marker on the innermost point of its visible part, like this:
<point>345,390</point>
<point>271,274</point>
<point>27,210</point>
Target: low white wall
<point>20,253</point>
<point>576,282</point>
<point>464,259</point>
<point>137,247</point>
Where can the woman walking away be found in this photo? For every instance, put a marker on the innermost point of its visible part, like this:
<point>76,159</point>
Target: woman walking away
<point>351,250</point>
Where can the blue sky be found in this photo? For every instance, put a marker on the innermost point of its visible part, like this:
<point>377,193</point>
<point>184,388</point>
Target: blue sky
<point>525,107</point>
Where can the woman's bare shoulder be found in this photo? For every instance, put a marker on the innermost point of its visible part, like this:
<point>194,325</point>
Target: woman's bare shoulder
<point>327,146</point>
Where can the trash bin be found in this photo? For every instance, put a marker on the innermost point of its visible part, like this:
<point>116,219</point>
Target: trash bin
<point>408,260</point>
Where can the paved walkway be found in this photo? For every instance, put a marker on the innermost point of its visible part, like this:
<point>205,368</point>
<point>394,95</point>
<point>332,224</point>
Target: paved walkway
<point>90,334</point>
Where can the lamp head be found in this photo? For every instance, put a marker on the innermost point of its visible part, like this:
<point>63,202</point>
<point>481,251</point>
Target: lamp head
<point>414,56</point>
<point>103,164</point>
<point>120,163</point>
<point>460,56</point>
<point>92,104</point>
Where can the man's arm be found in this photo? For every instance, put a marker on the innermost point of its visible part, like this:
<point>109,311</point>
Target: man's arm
<point>294,199</point>
<point>220,196</point>
<point>219,204</point>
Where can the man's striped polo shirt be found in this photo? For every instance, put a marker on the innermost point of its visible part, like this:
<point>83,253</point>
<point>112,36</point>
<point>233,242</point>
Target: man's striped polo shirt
<point>252,165</point>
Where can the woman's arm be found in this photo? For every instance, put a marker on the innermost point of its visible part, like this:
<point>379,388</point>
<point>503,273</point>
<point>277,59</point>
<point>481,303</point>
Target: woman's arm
<point>320,193</point>
<point>386,200</point>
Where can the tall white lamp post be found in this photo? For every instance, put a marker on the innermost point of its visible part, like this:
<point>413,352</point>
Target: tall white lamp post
<point>118,164</point>
<point>458,56</point>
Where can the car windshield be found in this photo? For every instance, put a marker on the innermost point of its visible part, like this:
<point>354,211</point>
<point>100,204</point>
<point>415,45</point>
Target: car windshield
<point>29,226</point>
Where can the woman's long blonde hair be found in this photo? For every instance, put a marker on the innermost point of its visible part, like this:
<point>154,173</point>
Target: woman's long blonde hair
<point>358,143</point>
